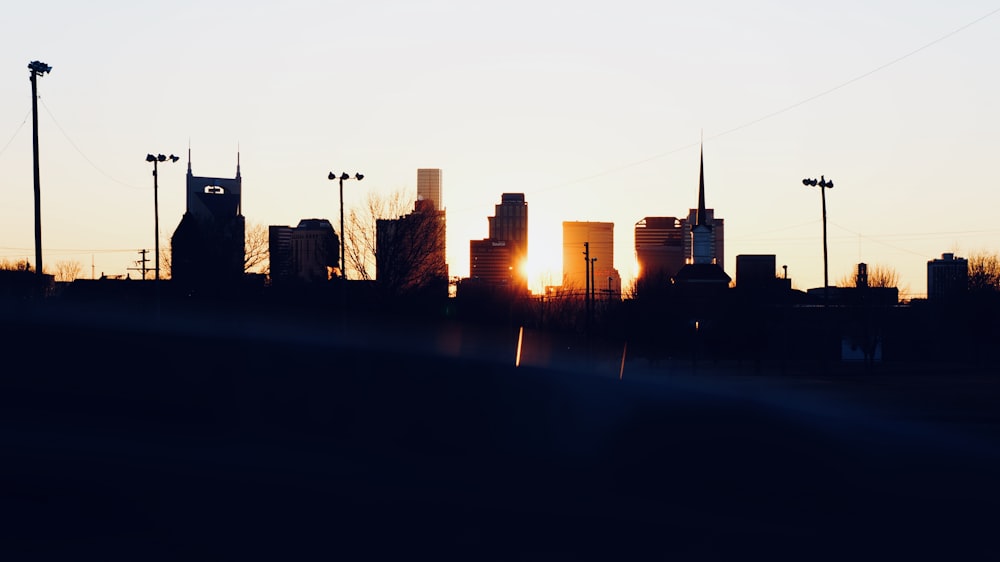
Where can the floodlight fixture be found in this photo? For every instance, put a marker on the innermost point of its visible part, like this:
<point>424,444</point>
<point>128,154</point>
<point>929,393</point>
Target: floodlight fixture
<point>39,67</point>
<point>343,254</point>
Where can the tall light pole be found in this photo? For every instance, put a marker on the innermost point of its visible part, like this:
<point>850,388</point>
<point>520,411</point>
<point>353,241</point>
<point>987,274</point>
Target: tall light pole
<point>824,184</point>
<point>37,69</point>
<point>343,239</point>
<point>156,202</point>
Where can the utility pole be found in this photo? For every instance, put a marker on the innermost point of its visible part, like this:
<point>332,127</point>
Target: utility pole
<point>593,284</point>
<point>141,263</point>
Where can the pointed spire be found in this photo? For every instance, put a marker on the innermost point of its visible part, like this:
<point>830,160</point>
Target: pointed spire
<point>700,218</point>
<point>237,159</point>
<point>189,157</point>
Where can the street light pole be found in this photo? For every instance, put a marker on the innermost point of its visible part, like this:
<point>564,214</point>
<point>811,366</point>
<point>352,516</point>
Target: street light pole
<point>824,184</point>
<point>156,202</point>
<point>37,69</point>
<point>343,241</point>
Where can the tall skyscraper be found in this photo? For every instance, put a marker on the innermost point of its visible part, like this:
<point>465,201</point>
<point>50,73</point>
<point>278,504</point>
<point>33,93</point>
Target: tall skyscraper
<point>207,248</point>
<point>429,187</point>
<point>501,258</point>
<point>600,240</point>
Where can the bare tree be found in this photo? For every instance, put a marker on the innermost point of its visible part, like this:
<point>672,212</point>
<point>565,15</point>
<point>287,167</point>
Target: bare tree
<point>165,260</point>
<point>255,251</point>
<point>15,265</point>
<point>984,272</point>
<point>68,271</point>
<point>362,234</point>
<point>879,276</point>
<point>410,253</point>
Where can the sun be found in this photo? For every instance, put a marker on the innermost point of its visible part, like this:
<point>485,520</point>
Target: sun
<point>543,269</point>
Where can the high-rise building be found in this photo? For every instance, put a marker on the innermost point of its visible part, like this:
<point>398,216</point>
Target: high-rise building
<point>304,254</point>
<point>596,241</point>
<point>279,253</point>
<point>491,261</point>
<point>660,247</point>
<point>207,248</point>
<point>947,277</point>
<point>510,222</point>
<point>429,187</point>
<point>410,252</point>
<point>501,258</point>
<point>315,250</point>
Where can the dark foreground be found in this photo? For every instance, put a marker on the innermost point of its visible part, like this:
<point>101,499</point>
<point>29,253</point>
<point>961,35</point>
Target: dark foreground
<point>141,444</point>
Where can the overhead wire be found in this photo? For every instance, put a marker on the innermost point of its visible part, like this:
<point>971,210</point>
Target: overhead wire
<point>77,148</point>
<point>16,131</point>
<point>785,109</point>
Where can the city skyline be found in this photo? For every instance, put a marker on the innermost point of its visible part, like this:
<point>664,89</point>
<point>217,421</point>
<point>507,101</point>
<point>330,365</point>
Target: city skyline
<point>595,115</point>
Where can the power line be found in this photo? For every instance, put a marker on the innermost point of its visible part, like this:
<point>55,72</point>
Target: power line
<point>16,131</point>
<point>782,110</point>
<point>70,250</point>
<point>77,148</point>
<point>899,248</point>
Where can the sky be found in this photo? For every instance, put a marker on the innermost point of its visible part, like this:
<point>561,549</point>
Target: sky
<point>595,111</point>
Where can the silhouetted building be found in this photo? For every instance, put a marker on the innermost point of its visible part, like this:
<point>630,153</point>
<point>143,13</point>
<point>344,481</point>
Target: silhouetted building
<point>659,247</point>
<point>307,253</point>
<point>492,262</point>
<point>24,283</point>
<point>758,272</point>
<point>501,258</point>
<point>600,240</point>
<point>855,296</point>
<point>703,270</point>
<point>947,277</point>
<point>410,251</point>
<point>207,248</point>
<point>429,187</point>
<point>279,250</point>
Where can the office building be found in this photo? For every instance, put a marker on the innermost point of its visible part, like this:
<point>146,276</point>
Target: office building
<point>429,187</point>
<point>947,277</point>
<point>596,241</point>
<point>207,248</point>
<point>659,248</point>
<point>500,259</point>
<point>307,253</point>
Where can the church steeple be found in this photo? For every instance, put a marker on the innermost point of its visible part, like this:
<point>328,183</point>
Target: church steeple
<point>701,218</point>
<point>701,231</point>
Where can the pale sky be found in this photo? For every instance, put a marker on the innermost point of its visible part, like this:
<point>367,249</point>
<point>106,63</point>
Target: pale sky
<point>593,111</point>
